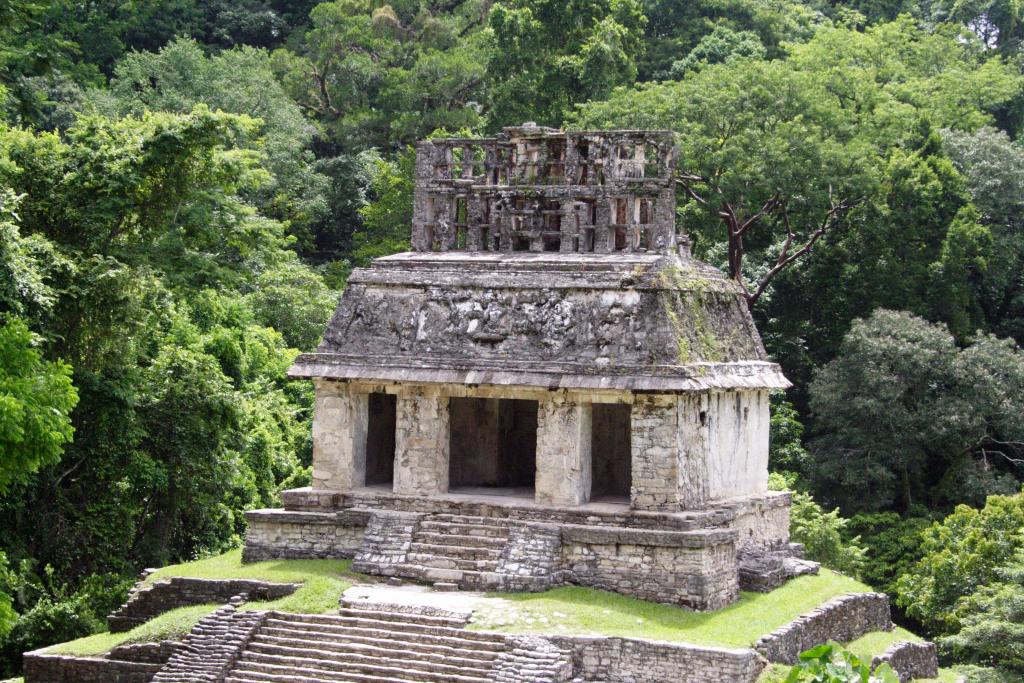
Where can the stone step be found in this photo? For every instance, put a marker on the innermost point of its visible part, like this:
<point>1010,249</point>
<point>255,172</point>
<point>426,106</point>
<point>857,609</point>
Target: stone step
<point>467,651</point>
<point>467,552</point>
<point>340,625</point>
<point>377,657</point>
<point>306,677</point>
<point>251,663</point>
<point>375,636</point>
<point>431,560</point>
<point>364,612</point>
<point>476,540</point>
<point>470,519</point>
<point>463,529</point>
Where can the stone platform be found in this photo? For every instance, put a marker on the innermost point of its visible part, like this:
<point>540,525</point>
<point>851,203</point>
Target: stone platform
<point>492,542</point>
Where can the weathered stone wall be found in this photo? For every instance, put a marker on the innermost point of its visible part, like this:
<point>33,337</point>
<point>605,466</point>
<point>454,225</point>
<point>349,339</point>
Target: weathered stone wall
<point>655,479</point>
<point>696,569</point>
<point>533,550</point>
<point>626,660</point>
<point>388,536</point>
<point>763,520</point>
<point>40,667</point>
<point>910,660</point>
<point>149,600</point>
<point>738,425</point>
<point>533,659</point>
<point>287,535</point>
<point>843,618</point>
<point>146,653</point>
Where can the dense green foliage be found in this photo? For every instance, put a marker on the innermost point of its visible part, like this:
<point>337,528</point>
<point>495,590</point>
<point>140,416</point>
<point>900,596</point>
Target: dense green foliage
<point>968,587</point>
<point>907,413</point>
<point>186,184</point>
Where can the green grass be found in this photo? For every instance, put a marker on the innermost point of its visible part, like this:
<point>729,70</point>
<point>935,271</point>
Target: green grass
<point>877,642</point>
<point>584,610</point>
<point>323,583</point>
<point>169,625</point>
<point>229,566</point>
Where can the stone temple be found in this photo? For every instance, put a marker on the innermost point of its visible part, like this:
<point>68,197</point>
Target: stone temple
<point>548,389</point>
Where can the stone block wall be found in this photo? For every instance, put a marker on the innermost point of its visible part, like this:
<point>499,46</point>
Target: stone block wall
<point>762,521</point>
<point>386,541</point>
<point>910,660</point>
<point>626,660</point>
<point>146,653</point>
<point>843,618</point>
<point>696,569</point>
<point>40,667</point>
<point>533,659</point>
<point>149,600</point>
<point>655,476</point>
<point>533,551</point>
<point>282,534</point>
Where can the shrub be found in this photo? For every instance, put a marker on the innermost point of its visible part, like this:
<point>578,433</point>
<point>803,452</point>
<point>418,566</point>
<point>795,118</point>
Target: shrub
<point>832,664</point>
<point>966,551</point>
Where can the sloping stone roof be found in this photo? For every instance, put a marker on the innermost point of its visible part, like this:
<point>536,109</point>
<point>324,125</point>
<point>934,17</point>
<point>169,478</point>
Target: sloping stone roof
<point>635,321</point>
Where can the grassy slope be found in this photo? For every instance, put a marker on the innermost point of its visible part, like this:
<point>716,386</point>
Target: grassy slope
<point>562,610</point>
<point>323,583</point>
<point>584,610</point>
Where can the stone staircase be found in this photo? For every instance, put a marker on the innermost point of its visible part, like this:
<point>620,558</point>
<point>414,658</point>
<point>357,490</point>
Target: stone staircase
<point>459,549</point>
<point>367,644</point>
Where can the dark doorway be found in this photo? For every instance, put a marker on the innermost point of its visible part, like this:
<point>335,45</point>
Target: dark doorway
<point>611,451</point>
<point>493,443</point>
<point>380,439</point>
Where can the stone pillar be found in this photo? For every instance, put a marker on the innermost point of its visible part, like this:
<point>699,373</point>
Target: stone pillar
<point>421,444</point>
<point>563,452</point>
<point>694,450</point>
<point>654,435</point>
<point>339,437</point>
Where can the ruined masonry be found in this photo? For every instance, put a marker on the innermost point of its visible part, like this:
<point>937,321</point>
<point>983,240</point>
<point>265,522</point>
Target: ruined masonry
<point>548,389</point>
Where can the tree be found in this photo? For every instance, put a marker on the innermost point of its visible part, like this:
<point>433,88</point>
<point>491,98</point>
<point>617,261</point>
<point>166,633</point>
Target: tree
<point>36,398</point>
<point>718,46</point>
<point>992,623</point>
<point>968,550</point>
<point>388,214</point>
<point>164,246</point>
<point>903,413</point>
<point>380,75</point>
<point>293,299</point>
<point>766,156</point>
<point>27,265</point>
<point>677,28</point>
<point>774,156</point>
<point>550,54</point>
<point>993,167</point>
<point>179,77</point>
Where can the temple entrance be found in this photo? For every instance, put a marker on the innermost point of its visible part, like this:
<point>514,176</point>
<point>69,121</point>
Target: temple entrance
<point>380,439</point>
<point>611,452</point>
<point>493,445</point>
